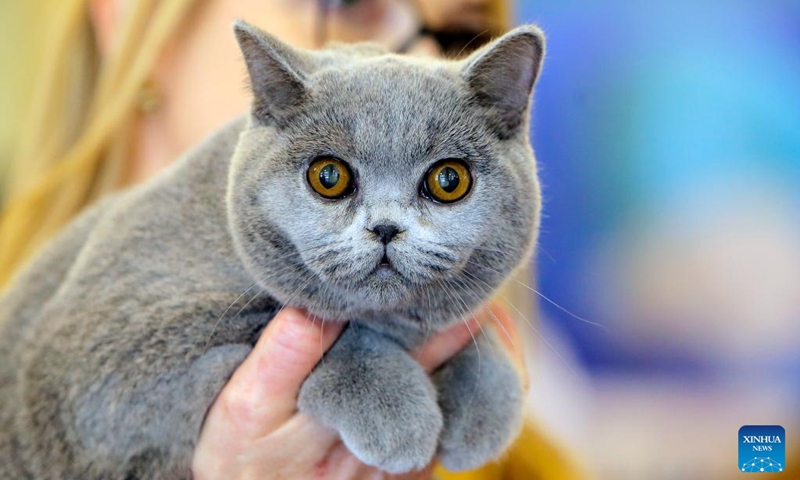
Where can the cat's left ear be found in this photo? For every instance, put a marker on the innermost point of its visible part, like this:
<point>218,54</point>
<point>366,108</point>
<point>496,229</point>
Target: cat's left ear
<point>501,76</point>
<point>277,73</point>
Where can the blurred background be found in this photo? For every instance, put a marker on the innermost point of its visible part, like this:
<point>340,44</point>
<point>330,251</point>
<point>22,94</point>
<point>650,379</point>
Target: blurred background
<point>668,138</point>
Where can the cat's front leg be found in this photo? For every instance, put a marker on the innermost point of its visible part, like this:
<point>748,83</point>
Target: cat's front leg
<point>378,398</point>
<point>481,398</point>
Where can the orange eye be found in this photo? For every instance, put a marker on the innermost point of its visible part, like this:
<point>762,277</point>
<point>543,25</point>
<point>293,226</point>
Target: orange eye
<point>447,181</point>
<point>330,177</point>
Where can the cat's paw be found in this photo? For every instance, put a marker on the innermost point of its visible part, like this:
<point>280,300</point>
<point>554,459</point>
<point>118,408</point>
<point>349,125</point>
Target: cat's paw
<point>385,410</point>
<point>482,401</point>
<point>398,435</point>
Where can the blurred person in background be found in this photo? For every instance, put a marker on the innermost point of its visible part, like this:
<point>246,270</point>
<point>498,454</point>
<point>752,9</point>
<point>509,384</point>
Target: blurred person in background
<point>125,86</point>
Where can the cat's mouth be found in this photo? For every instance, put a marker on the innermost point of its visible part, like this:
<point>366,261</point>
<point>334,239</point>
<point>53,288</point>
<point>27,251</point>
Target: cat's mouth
<point>385,268</point>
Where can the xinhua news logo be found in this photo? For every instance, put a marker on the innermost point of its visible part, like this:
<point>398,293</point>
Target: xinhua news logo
<point>762,448</point>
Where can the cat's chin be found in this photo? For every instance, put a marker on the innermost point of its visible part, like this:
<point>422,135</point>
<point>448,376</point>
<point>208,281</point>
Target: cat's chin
<point>383,288</point>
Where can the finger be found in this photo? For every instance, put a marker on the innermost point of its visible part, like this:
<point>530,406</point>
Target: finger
<point>263,391</point>
<point>442,346</point>
<point>340,464</point>
<point>300,448</point>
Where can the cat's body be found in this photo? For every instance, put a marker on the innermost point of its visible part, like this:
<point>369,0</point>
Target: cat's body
<point>116,340</point>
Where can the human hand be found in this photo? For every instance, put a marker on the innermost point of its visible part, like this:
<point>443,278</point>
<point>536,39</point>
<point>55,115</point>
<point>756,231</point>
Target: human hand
<point>253,429</point>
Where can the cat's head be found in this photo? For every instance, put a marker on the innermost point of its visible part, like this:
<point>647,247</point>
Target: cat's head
<point>373,186</point>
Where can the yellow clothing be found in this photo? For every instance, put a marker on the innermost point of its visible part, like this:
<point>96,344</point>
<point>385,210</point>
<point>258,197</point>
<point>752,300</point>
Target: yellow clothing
<point>532,457</point>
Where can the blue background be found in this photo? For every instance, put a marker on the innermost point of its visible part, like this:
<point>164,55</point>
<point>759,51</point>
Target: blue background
<point>640,106</point>
<point>668,140</point>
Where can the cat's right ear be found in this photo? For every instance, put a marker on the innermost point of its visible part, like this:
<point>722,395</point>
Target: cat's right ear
<point>502,75</point>
<point>277,73</point>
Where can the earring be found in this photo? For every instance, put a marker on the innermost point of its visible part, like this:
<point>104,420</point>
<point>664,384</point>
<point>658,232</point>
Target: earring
<point>149,99</point>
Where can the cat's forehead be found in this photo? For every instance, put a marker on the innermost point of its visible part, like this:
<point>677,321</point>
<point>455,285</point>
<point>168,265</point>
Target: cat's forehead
<point>394,105</point>
<point>392,82</point>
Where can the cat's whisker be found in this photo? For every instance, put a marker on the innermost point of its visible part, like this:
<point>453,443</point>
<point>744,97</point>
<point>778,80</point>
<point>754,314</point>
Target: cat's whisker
<point>443,287</point>
<point>505,253</point>
<point>552,302</point>
<point>477,348</point>
<point>255,284</point>
<point>247,304</point>
<point>492,250</point>
<point>552,259</point>
<point>430,309</point>
<point>292,264</point>
<point>319,247</point>
<point>502,327</point>
<point>464,314</point>
<point>489,310</point>
<point>434,301</point>
<point>502,254</point>
<point>531,325</point>
<point>216,324</point>
<point>298,253</point>
<point>527,262</point>
<point>467,313</point>
<point>293,294</point>
<point>466,45</point>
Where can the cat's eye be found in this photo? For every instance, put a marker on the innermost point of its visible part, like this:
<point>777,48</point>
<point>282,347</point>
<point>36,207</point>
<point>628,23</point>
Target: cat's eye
<point>447,181</point>
<point>330,177</point>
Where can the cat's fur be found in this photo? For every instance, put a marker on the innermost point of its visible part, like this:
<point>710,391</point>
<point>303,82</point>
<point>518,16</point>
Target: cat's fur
<point>116,340</point>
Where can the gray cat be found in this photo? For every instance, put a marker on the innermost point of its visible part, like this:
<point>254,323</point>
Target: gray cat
<point>393,192</point>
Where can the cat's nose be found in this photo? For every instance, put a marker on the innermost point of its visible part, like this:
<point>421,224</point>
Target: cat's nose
<point>386,232</point>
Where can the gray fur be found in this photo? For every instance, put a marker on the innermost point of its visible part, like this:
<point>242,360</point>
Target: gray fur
<point>115,341</point>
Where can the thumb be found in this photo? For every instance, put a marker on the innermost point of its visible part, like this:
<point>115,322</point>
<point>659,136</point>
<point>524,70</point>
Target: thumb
<point>262,393</point>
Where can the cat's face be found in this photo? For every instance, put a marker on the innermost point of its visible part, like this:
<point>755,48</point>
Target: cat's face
<point>380,186</point>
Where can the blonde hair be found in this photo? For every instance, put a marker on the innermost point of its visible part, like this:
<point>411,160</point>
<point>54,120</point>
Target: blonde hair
<point>74,145</point>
